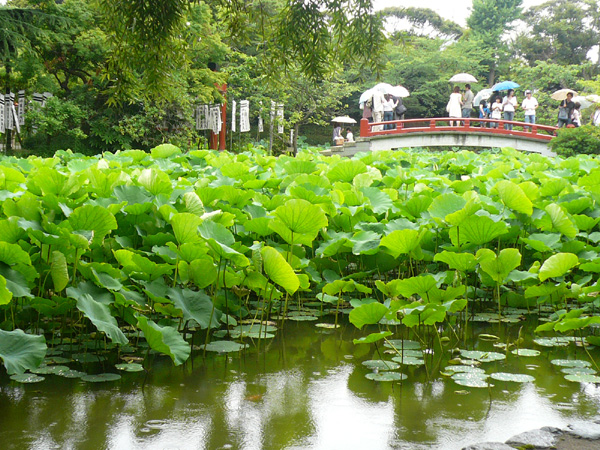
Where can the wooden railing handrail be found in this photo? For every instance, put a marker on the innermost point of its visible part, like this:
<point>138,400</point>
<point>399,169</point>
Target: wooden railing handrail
<point>434,124</point>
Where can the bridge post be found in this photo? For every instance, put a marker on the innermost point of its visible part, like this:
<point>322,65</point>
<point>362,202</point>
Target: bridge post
<point>364,128</point>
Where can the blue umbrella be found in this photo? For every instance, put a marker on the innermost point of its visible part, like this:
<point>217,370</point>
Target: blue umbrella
<point>504,85</point>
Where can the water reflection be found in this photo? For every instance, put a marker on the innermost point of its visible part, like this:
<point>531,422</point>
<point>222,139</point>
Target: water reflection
<point>308,391</point>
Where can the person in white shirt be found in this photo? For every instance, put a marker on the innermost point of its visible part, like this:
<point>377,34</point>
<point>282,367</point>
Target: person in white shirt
<point>529,104</point>
<point>496,112</point>
<point>388,111</point>
<point>349,135</point>
<point>576,115</point>
<point>509,104</point>
<point>595,117</point>
<point>378,100</point>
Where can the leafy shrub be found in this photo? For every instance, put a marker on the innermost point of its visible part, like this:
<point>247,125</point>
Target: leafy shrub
<point>573,141</point>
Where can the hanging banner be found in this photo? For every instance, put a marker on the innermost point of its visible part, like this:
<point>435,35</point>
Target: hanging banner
<point>245,116</point>
<point>15,117</point>
<point>233,111</point>
<point>292,136</point>
<point>202,117</point>
<point>2,113</point>
<point>280,118</point>
<point>261,125</point>
<point>215,119</point>
<point>46,96</point>
<point>38,98</point>
<point>9,99</point>
<point>21,110</point>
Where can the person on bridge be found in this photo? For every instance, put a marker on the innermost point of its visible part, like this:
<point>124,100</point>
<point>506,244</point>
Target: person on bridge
<point>595,117</point>
<point>388,112</point>
<point>565,110</point>
<point>496,108</point>
<point>378,100</point>
<point>400,109</point>
<point>454,106</point>
<point>576,115</point>
<point>468,97</point>
<point>529,105</point>
<point>484,112</point>
<point>509,104</point>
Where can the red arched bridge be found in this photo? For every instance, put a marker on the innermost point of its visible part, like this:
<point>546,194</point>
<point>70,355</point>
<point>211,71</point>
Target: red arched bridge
<point>451,132</point>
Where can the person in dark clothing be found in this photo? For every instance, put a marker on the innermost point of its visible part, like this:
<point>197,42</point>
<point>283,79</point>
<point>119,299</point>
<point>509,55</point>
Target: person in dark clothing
<point>400,109</point>
<point>565,110</point>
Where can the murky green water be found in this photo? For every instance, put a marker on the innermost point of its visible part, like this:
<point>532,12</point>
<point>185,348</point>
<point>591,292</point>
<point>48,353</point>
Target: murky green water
<point>306,390</point>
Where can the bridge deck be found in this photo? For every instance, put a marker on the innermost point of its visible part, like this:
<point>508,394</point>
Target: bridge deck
<point>443,124</point>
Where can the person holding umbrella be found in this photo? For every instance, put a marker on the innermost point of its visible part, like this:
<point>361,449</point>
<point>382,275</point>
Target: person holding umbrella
<point>565,110</point>
<point>508,106</point>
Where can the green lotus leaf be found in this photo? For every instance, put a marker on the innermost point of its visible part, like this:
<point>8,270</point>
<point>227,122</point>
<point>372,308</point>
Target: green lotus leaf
<point>478,230</point>
<point>155,181</point>
<point>515,377</point>
<point>571,363</point>
<point>93,218</point>
<point>583,378</point>
<point>380,201</point>
<point>195,305</point>
<point>59,271</point>
<point>185,226</point>
<point>5,294</point>
<point>20,351</point>
<point>373,337</point>
<point>27,378</point>
<point>525,352</point>
<point>213,230</point>
<point>513,197</point>
<point>278,270</point>
<point>165,340</point>
<point>365,242</point>
<point>99,314</point>
<point>417,205</point>
<point>464,262</point>
<point>414,285</point>
<point>259,225</point>
<point>203,272</point>
<point>164,151</point>
<point>401,242</point>
<point>560,221</point>
<point>12,254</point>
<point>381,364</point>
<point>368,314</point>
<point>15,281</point>
<point>130,367</point>
<point>498,267</point>
<point>445,204</point>
<point>301,217</point>
<point>10,231</point>
<point>386,376</point>
<point>400,345</point>
<point>225,347</point>
<point>557,265</point>
<point>346,170</point>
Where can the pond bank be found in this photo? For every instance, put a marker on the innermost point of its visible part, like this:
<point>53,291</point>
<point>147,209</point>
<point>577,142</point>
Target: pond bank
<point>581,436</point>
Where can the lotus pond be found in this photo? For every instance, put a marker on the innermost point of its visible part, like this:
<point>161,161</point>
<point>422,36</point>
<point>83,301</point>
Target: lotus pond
<point>208,300</point>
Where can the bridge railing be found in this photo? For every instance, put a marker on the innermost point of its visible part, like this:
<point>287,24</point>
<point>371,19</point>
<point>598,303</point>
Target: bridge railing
<point>470,125</point>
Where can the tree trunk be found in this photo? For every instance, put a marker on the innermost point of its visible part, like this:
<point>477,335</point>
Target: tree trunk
<point>295,141</point>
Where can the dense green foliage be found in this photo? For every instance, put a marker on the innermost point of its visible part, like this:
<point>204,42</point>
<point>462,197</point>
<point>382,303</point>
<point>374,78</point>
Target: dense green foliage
<point>573,141</point>
<point>174,248</point>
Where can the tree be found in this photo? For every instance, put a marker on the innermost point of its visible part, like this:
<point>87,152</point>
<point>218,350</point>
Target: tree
<point>558,31</point>
<point>488,22</point>
<point>423,20</point>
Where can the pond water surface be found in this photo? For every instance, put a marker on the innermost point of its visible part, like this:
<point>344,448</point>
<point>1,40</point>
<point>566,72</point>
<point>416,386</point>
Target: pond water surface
<point>306,390</point>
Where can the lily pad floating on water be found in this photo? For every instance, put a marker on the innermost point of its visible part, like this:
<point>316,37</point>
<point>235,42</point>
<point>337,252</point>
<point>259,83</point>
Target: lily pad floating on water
<point>578,370</point>
<point>57,360</point>
<point>386,376</point>
<point>380,364</point>
<point>302,318</point>
<point>583,378</point>
<point>327,325</point>
<point>71,373</point>
<point>50,370</point>
<point>27,378</point>
<point>516,377</point>
<point>483,356</point>
<point>476,380</point>
<point>132,367</point>
<point>488,337</point>
<point>408,360</point>
<point>463,369</point>
<point>552,342</point>
<point>525,352</point>
<point>570,363</point>
<point>101,377</point>
<point>225,346</point>
<point>400,344</point>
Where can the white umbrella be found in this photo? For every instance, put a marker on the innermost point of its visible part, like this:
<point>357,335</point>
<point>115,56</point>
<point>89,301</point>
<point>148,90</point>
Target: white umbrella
<point>343,119</point>
<point>383,87</point>
<point>366,95</point>
<point>483,94</point>
<point>463,78</point>
<point>561,94</point>
<point>583,101</point>
<point>593,98</point>
<point>399,91</point>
